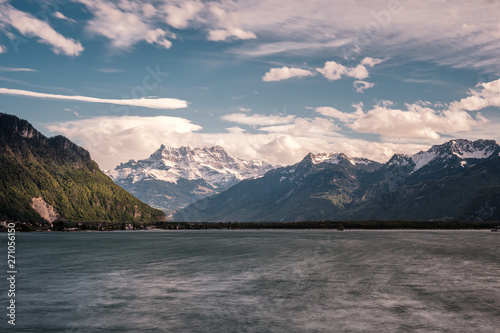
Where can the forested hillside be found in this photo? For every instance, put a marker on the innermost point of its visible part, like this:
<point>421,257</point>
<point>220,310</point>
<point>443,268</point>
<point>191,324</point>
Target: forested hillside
<point>60,174</point>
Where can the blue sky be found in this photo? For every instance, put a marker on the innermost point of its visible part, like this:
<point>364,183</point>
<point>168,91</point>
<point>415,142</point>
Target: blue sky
<point>265,79</point>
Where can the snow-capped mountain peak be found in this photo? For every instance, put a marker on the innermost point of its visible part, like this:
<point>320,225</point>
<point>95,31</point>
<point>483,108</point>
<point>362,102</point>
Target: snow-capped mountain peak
<point>423,158</point>
<point>336,158</point>
<point>462,149</point>
<point>211,164</point>
<point>330,158</point>
<point>465,149</point>
<point>452,153</point>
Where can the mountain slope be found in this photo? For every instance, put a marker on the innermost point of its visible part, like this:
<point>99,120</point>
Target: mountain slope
<point>449,159</point>
<point>318,187</point>
<point>440,161</point>
<point>466,196</point>
<point>172,178</point>
<point>55,178</point>
<point>485,206</point>
<point>455,180</point>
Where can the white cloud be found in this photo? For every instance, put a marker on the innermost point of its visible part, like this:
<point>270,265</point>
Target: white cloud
<point>361,86</point>
<point>61,16</point>
<point>335,71</point>
<point>367,61</point>
<point>301,48</point>
<point>112,140</point>
<point>148,10</point>
<point>110,70</point>
<point>224,34</point>
<point>487,131</point>
<point>245,109</point>
<point>380,28</point>
<point>334,113</point>
<point>415,122</point>
<point>227,24</point>
<point>3,49</point>
<point>304,127</point>
<point>158,36</point>
<point>331,71</point>
<point>16,69</point>
<point>180,14</point>
<point>482,96</point>
<point>257,119</point>
<point>291,124</point>
<point>420,120</point>
<point>29,26</point>
<point>153,103</point>
<point>283,73</point>
<point>125,24</point>
<point>288,144</point>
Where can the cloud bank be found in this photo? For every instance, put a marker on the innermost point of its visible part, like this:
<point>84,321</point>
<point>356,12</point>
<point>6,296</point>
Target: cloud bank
<point>482,96</point>
<point>113,140</point>
<point>469,30</point>
<point>416,122</point>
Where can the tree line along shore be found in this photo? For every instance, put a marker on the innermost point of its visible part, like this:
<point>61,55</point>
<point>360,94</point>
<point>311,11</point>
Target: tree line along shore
<point>335,225</point>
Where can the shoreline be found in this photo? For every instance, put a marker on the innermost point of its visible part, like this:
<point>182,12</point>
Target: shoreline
<point>305,225</point>
<point>248,229</point>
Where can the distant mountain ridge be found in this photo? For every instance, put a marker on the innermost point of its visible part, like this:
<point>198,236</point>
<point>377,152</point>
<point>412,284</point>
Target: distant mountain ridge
<point>290,193</point>
<point>46,179</point>
<point>172,178</point>
<point>336,187</point>
<point>453,155</point>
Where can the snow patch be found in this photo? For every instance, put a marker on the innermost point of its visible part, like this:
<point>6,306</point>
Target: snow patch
<point>362,161</point>
<point>336,158</point>
<point>423,158</point>
<point>479,154</point>
<point>400,163</point>
<point>327,158</point>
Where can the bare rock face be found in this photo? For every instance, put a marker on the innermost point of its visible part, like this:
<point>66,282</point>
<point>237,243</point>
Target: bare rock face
<point>45,210</point>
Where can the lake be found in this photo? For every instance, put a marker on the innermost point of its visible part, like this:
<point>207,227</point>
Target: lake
<point>257,281</point>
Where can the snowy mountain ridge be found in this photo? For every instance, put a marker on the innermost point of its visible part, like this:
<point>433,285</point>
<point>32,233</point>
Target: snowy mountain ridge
<point>455,180</point>
<point>335,158</point>
<point>461,150</point>
<point>212,164</point>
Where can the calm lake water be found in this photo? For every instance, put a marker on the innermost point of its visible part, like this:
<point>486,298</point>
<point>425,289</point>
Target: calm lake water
<point>257,281</point>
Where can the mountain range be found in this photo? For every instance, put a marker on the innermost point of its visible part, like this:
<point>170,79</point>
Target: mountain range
<point>457,180</point>
<point>172,178</point>
<point>52,179</point>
